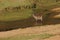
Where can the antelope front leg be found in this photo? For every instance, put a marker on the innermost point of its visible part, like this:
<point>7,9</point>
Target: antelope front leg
<point>36,22</point>
<point>41,20</point>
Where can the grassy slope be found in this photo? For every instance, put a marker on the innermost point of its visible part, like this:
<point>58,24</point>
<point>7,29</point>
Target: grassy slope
<point>6,3</point>
<point>23,37</point>
<point>9,16</point>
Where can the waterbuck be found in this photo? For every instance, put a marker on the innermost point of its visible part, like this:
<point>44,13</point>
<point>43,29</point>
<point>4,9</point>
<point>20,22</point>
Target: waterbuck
<point>37,17</point>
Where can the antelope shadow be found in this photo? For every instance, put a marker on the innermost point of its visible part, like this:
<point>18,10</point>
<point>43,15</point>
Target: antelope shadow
<point>11,25</point>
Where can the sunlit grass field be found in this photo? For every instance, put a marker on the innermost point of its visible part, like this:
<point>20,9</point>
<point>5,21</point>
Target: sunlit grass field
<point>20,15</point>
<point>15,15</point>
<point>24,13</point>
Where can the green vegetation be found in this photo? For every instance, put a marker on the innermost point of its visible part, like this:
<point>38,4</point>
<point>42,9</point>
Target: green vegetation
<point>9,16</point>
<point>6,3</point>
<point>15,15</point>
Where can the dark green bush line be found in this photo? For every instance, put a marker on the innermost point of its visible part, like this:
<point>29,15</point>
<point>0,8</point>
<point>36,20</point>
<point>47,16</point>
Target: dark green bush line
<point>17,8</point>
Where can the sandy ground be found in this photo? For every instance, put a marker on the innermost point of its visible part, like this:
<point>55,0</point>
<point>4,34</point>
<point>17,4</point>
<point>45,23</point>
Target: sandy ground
<point>50,29</point>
